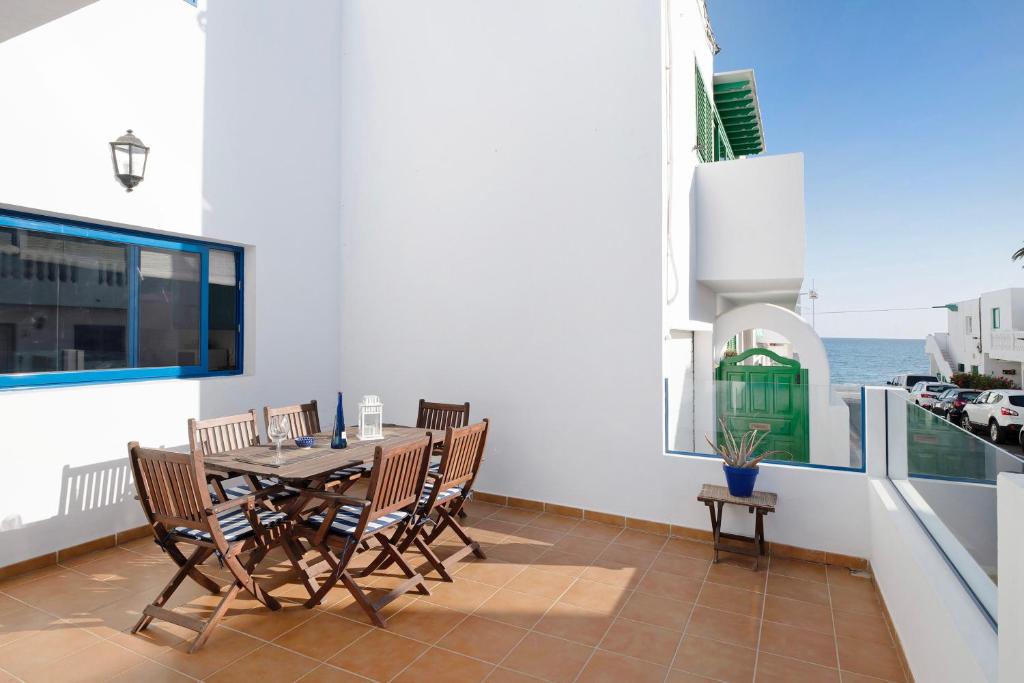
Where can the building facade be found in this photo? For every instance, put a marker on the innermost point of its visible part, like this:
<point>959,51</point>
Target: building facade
<point>984,335</point>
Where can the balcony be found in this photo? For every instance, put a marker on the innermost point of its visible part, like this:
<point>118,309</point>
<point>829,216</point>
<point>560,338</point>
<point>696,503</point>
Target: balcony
<point>1007,345</point>
<point>750,228</point>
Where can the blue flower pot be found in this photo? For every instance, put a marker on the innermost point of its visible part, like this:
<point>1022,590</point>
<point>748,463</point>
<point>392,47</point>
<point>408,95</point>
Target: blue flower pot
<point>740,480</point>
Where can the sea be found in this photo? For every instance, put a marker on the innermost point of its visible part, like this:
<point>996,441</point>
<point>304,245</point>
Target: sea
<point>874,361</point>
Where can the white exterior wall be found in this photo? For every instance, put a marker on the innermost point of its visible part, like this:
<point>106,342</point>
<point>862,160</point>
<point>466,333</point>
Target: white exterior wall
<point>214,93</point>
<point>750,228</point>
<point>1003,356</point>
<point>519,228</point>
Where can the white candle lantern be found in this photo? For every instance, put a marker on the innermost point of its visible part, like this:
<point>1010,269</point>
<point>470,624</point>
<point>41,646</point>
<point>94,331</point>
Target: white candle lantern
<point>371,419</point>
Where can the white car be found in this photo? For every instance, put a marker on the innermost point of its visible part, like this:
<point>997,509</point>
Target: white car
<point>925,393</point>
<point>1001,411</point>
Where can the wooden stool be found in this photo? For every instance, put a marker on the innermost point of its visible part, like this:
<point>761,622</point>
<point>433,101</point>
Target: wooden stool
<point>760,503</point>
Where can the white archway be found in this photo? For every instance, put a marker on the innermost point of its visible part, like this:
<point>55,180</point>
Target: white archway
<point>828,415</point>
<point>806,342</point>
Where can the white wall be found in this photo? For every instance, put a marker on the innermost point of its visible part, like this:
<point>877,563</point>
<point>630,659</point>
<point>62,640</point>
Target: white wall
<point>520,220</point>
<point>1011,576</point>
<point>215,94</point>
<point>502,234</point>
<point>943,633</point>
<point>685,49</point>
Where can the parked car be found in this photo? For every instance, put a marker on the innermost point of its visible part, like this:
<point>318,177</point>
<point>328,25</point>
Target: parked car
<point>925,393</point>
<point>950,403</point>
<point>1001,411</point>
<point>907,382</point>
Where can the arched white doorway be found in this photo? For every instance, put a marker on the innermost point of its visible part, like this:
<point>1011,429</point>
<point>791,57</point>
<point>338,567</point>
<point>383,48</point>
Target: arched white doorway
<point>805,341</point>
<point>829,415</point>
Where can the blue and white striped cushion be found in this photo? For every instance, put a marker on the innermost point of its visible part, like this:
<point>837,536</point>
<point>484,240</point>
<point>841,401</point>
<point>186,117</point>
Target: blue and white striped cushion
<point>435,467</point>
<point>347,518</point>
<point>350,472</point>
<point>234,525</point>
<point>441,497</point>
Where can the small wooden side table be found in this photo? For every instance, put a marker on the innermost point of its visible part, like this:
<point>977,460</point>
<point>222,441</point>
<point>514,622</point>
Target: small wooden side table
<point>759,503</point>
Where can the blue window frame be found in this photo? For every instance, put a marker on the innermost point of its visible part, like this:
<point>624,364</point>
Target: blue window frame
<point>83,302</point>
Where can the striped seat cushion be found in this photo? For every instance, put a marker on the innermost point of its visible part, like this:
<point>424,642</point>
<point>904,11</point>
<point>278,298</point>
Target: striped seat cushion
<point>435,467</point>
<point>347,518</point>
<point>234,525</point>
<point>441,497</point>
<point>350,472</point>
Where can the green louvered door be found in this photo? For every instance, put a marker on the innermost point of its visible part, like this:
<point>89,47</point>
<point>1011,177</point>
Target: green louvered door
<point>770,398</point>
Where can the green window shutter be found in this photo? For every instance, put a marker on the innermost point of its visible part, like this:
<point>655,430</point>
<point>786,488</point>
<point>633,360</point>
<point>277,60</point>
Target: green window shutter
<point>705,121</point>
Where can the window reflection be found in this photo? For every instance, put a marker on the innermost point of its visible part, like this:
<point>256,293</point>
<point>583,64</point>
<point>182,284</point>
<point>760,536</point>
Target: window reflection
<point>169,308</point>
<point>63,303</point>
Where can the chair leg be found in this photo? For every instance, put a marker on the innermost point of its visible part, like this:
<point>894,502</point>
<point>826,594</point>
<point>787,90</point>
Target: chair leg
<point>194,573</point>
<point>362,600</point>
<point>412,578</point>
<point>301,566</point>
<point>383,559</point>
<point>243,578</point>
<point>433,559</point>
<point>184,570</point>
<point>336,573</point>
<point>218,614</point>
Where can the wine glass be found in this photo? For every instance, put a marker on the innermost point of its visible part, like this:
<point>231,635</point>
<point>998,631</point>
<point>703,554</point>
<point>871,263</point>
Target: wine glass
<point>277,430</point>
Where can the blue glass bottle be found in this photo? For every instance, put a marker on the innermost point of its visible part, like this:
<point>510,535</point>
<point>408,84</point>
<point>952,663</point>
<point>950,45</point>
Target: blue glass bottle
<point>339,439</point>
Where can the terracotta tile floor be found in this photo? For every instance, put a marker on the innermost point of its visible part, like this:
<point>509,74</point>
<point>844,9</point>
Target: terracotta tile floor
<point>557,600</point>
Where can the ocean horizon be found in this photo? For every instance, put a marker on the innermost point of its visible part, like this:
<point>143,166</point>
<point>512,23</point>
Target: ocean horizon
<point>873,361</point>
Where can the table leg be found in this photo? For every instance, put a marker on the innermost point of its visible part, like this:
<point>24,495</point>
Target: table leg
<point>716,525</point>
<point>759,533</point>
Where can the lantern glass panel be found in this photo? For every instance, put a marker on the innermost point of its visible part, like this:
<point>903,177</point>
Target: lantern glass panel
<point>122,158</point>
<point>138,159</point>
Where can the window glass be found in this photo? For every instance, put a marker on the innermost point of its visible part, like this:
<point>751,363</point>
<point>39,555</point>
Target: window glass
<point>223,323</point>
<point>995,319</point>
<point>63,303</point>
<point>994,398</point>
<point>84,303</point>
<point>169,308</point>
<point>1017,401</point>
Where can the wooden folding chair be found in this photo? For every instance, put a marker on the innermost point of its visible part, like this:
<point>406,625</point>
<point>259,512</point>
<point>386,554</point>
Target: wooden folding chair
<point>441,416</point>
<point>176,500</point>
<point>390,507</point>
<point>445,492</point>
<point>220,434</point>
<point>304,420</point>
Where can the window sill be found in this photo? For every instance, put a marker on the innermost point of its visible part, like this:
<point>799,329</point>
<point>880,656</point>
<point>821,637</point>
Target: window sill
<point>87,377</point>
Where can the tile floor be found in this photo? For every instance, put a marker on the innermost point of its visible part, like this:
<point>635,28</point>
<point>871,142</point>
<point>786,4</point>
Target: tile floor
<point>558,600</point>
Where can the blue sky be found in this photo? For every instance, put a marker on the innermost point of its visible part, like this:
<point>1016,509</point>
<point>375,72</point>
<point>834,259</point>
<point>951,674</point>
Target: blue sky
<point>909,114</point>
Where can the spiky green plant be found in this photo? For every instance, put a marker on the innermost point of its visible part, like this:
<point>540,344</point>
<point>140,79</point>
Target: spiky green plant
<point>740,453</point>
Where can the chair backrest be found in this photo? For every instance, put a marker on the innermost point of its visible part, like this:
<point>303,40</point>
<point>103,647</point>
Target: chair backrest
<point>171,486</point>
<point>303,419</point>
<point>461,454</point>
<point>398,475</point>
<point>220,434</point>
<point>440,416</point>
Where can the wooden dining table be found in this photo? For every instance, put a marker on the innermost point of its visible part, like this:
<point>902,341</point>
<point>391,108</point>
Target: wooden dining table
<point>308,469</point>
<point>308,465</point>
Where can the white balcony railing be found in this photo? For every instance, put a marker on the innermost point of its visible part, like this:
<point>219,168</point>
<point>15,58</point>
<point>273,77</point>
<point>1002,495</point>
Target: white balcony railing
<point>1007,345</point>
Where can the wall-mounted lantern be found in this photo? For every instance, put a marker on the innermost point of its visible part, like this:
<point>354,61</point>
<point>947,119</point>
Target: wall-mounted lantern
<point>129,155</point>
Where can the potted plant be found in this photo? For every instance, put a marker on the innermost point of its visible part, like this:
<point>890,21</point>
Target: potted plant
<point>740,463</point>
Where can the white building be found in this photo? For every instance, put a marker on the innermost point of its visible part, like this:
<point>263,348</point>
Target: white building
<point>551,209</point>
<point>983,335</point>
